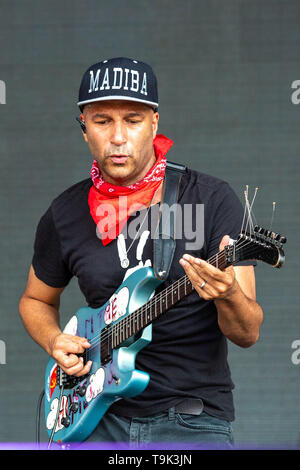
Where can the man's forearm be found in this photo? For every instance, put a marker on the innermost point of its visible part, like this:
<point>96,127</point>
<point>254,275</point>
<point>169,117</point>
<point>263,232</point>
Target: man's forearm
<point>239,317</point>
<point>41,320</point>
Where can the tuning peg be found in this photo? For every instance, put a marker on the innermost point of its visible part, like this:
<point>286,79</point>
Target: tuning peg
<point>261,230</point>
<point>280,238</point>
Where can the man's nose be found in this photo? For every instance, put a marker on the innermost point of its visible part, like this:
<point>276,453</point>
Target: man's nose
<point>119,134</point>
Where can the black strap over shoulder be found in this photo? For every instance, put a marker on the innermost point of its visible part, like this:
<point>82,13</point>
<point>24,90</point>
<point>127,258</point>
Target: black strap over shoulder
<point>164,243</point>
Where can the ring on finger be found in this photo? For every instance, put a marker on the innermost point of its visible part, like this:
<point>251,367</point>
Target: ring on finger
<point>203,284</point>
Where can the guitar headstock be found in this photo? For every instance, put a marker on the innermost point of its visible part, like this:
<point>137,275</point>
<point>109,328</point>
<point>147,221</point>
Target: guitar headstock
<point>261,245</point>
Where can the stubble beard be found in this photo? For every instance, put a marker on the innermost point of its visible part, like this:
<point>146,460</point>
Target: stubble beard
<point>124,174</point>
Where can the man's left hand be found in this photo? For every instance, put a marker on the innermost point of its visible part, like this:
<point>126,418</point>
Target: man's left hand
<point>209,281</point>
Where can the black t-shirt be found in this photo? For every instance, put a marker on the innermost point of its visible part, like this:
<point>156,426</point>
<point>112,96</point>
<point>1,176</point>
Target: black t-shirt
<point>188,353</point>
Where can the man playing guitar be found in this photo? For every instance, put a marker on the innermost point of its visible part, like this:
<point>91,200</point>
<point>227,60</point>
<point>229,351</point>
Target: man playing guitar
<point>189,396</point>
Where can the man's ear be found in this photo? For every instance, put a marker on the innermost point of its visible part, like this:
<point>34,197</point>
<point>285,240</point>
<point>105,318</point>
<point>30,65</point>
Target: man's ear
<point>82,125</point>
<point>155,123</point>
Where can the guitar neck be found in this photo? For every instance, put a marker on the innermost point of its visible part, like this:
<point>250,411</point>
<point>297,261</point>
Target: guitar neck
<point>159,304</point>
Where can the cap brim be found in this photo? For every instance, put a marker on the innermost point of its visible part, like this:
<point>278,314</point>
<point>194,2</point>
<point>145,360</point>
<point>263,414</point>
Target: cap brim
<point>116,97</point>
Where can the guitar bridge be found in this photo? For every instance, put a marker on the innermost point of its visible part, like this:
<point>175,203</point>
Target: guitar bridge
<point>70,381</point>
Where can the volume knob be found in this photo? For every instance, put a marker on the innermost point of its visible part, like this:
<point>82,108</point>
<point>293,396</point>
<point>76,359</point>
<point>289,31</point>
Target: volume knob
<point>66,421</point>
<point>74,407</point>
<point>81,390</point>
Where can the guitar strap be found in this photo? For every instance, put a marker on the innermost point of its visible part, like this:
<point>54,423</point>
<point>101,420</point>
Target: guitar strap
<point>164,243</point>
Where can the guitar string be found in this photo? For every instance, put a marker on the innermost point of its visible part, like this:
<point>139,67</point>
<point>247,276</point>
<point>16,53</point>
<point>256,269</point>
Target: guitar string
<point>248,207</point>
<point>157,299</point>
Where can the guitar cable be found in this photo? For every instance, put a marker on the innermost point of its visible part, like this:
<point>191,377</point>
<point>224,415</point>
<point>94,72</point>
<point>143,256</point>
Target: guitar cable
<point>38,415</point>
<point>57,414</point>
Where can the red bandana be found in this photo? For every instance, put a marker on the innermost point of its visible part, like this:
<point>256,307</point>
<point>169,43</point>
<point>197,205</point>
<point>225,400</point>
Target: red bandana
<point>111,205</point>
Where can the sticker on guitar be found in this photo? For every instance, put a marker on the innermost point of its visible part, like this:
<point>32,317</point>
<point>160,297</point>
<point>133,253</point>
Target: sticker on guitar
<point>117,305</point>
<point>53,411</point>
<point>52,381</point>
<point>94,388</point>
<point>71,326</point>
<point>96,384</point>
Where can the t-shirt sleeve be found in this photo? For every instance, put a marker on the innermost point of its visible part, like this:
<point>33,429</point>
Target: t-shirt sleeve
<point>47,261</point>
<point>228,219</point>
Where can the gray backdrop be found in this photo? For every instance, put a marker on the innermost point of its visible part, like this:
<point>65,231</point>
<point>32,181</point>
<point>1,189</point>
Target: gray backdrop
<point>225,70</point>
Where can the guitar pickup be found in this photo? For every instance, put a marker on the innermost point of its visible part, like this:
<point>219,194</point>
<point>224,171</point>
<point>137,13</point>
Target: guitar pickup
<point>105,346</point>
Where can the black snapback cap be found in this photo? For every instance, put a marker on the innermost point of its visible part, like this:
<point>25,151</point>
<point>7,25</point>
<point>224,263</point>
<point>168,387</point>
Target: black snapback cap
<point>119,78</point>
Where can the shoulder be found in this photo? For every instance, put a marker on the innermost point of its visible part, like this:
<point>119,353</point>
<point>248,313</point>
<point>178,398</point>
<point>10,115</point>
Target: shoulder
<point>72,204</point>
<point>77,189</point>
<point>209,181</point>
<point>204,187</point>
<point>73,194</point>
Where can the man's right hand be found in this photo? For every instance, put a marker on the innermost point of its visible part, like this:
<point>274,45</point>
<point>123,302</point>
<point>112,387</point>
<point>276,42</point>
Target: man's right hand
<point>39,311</point>
<point>65,349</point>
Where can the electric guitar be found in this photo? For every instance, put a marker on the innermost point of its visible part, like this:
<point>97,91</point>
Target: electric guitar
<point>118,330</point>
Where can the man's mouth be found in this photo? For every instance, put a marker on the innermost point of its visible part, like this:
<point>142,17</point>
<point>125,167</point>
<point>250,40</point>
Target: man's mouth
<point>118,158</point>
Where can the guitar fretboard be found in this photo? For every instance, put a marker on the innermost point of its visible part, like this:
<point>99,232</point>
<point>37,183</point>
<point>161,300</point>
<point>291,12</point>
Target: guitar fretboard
<point>159,304</point>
